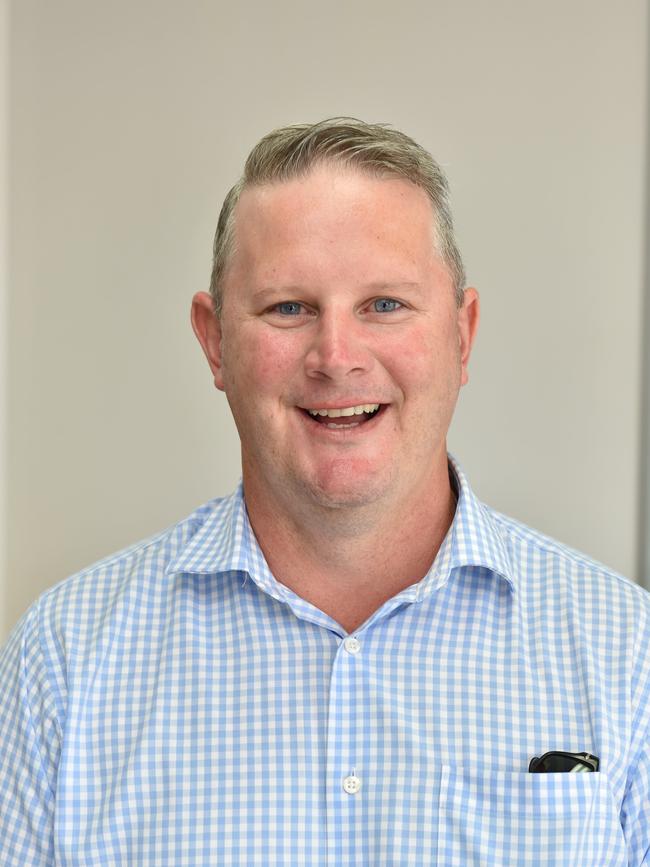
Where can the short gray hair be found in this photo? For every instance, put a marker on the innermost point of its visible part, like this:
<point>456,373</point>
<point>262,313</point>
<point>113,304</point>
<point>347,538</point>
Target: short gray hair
<point>375,148</point>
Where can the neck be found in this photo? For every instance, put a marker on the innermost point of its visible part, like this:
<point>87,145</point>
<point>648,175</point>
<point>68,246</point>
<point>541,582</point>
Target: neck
<point>348,562</point>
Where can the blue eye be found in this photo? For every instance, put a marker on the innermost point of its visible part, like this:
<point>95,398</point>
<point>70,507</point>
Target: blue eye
<point>386,305</point>
<point>289,308</point>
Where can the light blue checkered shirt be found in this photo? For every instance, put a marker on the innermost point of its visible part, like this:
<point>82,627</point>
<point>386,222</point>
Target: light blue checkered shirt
<point>176,705</point>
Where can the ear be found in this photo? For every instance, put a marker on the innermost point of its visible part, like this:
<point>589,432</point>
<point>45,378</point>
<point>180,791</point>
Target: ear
<point>468,318</point>
<point>207,327</point>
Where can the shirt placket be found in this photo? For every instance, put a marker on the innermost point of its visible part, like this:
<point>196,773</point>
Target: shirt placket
<point>346,798</point>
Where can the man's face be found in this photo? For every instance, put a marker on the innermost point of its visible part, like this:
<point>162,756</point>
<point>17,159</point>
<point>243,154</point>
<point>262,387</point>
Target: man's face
<point>335,298</point>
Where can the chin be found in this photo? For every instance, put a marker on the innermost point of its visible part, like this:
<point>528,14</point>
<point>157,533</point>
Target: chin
<point>341,491</point>
<point>342,499</point>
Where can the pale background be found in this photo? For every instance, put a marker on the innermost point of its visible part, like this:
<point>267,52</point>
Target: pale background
<point>123,124</point>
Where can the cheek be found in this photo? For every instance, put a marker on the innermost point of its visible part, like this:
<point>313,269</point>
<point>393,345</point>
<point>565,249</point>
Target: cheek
<point>258,362</point>
<point>428,361</point>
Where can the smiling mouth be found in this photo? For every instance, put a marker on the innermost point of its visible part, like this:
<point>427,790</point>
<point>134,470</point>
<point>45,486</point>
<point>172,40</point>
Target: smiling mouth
<point>342,418</point>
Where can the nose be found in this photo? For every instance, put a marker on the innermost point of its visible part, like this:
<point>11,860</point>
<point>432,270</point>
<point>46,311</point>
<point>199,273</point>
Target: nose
<point>338,348</point>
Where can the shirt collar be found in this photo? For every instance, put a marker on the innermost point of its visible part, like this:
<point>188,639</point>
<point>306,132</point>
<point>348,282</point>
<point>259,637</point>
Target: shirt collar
<point>225,542</point>
<point>474,539</point>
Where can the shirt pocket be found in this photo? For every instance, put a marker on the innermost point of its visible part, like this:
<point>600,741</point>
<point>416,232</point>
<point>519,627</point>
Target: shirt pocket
<point>521,818</point>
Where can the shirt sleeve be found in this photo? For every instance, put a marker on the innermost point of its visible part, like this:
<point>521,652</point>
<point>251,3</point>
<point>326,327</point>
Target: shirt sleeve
<point>635,809</point>
<point>30,739</point>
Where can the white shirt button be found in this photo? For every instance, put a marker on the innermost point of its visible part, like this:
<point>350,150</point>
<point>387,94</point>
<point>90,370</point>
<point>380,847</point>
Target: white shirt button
<point>352,645</point>
<point>351,784</point>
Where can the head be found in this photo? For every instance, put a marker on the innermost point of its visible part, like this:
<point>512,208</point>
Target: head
<point>342,331</point>
<point>375,149</point>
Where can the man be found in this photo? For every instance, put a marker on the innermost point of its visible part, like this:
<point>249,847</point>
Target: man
<point>350,660</point>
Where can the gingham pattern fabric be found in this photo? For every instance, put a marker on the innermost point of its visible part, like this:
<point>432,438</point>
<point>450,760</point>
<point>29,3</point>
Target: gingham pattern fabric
<point>176,705</point>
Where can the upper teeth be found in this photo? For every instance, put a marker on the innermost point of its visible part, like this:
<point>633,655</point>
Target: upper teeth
<point>346,410</point>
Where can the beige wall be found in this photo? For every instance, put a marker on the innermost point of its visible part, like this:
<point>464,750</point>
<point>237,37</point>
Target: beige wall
<point>128,123</point>
<point>4,294</point>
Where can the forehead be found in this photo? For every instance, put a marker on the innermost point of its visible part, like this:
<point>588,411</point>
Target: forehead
<point>331,187</point>
<point>338,211</point>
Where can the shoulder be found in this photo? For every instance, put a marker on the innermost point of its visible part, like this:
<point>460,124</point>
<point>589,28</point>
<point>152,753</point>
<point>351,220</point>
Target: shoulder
<point>71,614</point>
<point>541,568</point>
<point>552,573</point>
<point>523,540</point>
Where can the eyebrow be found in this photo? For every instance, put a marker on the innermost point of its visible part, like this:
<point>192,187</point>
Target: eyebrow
<point>388,284</point>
